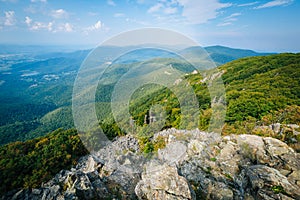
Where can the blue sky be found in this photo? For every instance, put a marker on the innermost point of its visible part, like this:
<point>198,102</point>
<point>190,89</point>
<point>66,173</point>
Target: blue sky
<point>270,25</point>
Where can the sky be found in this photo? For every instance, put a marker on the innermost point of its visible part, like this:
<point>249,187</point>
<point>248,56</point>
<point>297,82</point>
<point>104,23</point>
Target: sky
<point>266,26</point>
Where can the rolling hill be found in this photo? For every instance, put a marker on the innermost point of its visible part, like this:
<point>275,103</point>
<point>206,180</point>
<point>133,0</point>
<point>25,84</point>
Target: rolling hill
<point>222,55</point>
<point>260,91</point>
<point>255,88</point>
<point>35,84</point>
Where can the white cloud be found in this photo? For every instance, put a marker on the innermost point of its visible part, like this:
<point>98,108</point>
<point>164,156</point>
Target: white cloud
<point>155,8</point>
<point>119,15</point>
<point>35,1</point>
<point>48,26</point>
<point>28,20</point>
<point>275,3</point>
<point>199,12</point>
<point>68,27</point>
<point>248,4</point>
<point>59,14</point>
<point>37,26</point>
<point>232,17</point>
<point>170,10</point>
<point>98,25</point>
<point>229,19</point>
<point>9,18</point>
<point>42,26</point>
<point>225,24</point>
<point>111,3</point>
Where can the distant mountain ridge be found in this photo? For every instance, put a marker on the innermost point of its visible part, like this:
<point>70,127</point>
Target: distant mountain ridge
<point>219,54</point>
<point>222,54</point>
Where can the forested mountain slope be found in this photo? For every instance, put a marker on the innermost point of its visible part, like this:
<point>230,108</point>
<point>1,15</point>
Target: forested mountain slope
<point>260,91</point>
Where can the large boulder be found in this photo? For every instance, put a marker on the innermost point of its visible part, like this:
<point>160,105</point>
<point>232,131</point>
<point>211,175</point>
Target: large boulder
<point>162,181</point>
<point>253,147</point>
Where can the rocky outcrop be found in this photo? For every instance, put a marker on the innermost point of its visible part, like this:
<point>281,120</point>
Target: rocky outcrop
<point>113,172</point>
<point>192,165</point>
<point>278,128</point>
<point>162,181</point>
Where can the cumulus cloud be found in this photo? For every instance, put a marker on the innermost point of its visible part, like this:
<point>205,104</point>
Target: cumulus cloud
<point>199,12</point>
<point>68,27</point>
<point>274,3</point>
<point>193,12</point>
<point>64,27</point>
<point>41,26</point>
<point>98,25</point>
<point>38,25</point>
<point>48,26</point>
<point>59,14</point>
<point>28,20</point>
<point>9,18</point>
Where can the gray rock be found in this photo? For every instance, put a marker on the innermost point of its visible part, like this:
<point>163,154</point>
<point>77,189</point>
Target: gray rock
<point>174,153</point>
<point>163,182</point>
<point>229,159</point>
<point>275,127</point>
<point>194,164</point>
<point>267,182</point>
<point>253,147</point>
<point>276,148</point>
<point>221,191</point>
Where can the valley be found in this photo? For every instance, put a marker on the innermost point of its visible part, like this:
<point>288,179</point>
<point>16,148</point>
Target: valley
<point>34,86</point>
<point>37,127</point>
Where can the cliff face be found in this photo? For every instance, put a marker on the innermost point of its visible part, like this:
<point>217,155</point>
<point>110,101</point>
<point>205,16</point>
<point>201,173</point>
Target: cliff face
<point>192,165</point>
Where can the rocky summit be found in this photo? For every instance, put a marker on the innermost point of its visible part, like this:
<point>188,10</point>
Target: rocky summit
<point>191,165</point>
